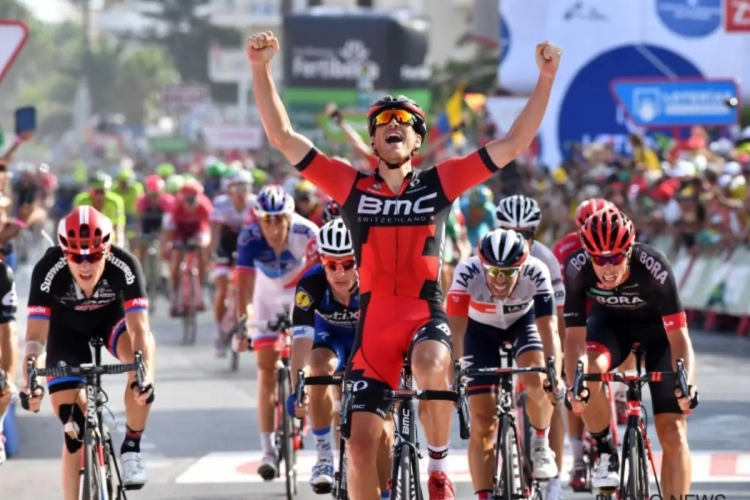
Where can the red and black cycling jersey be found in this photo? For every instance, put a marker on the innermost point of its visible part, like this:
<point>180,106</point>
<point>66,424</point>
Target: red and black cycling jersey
<point>397,237</point>
<point>649,291</point>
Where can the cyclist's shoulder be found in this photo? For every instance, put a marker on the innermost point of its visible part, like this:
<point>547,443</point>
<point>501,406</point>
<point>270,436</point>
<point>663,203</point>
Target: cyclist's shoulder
<point>48,266</point>
<point>82,198</point>
<point>113,198</point>
<point>536,271</point>
<point>222,201</point>
<point>250,236</point>
<point>122,263</point>
<point>467,271</point>
<point>302,226</point>
<point>313,281</point>
<point>543,253</point>
<point>577,266</point>
<point>651,261</point>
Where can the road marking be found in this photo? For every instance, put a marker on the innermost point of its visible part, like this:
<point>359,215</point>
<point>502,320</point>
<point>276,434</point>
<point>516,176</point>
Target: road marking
<point>241,467</point>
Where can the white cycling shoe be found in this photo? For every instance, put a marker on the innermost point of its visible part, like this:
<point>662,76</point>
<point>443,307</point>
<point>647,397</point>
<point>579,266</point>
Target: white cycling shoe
<point>606,472</point>
<point>543,459</point>
<point>133,471</point>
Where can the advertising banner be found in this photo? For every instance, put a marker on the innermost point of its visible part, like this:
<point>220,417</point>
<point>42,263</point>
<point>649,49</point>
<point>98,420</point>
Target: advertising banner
<point>339,52</point>
<point>737,16</point>
<point>603,41</point>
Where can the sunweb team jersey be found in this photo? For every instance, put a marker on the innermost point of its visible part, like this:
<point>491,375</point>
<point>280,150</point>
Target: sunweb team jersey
<point>470,297</point>
<point>397,237</point>
<point>285,269</point>
<point>648,293</point>
<point>544,254</point>
<point>318,312</point>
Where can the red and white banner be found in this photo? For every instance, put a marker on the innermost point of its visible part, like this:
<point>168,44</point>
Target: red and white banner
<point>737,16</point>
<point>13,35</point>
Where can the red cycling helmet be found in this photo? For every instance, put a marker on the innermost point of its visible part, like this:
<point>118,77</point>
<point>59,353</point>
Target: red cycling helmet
<point>607,232</point>
<point>192,188</point>
<point>154,184</point>
<point>590,206</point>
<point>84,231</point>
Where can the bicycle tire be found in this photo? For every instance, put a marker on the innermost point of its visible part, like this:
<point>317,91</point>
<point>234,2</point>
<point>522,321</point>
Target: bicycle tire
<point>527,430</point>
<point>405,479</point>
<point>636,480</point>
<point>288,454</point>
<point>109,457</point>
<point>92,481</point>
<point>188,320</point>
<point>508,461</point>
<point>340,487</point>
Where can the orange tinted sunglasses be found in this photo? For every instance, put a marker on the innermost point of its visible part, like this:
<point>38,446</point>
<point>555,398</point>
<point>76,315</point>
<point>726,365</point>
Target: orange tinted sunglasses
<point>401,115</point>
<point>80,259</point>
<point>333,264</point>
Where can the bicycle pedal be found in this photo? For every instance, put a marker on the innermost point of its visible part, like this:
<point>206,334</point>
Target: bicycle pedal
<point>607,491</point>
<point>322,489</point>
<point>133,487</point>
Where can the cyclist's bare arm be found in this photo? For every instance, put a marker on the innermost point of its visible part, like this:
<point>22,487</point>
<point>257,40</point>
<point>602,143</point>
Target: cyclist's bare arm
<point>215,229</point>
<point>334,177</point>
<point>301,349</point>
<point>526,126</point>
<point>36,341</point>
<point>575,350</point>
<point>275,119</point>
<point>9,349</point>
<point>457,324</point>
<point>141,338</point>
<point>682,348</point>
<point>355,140</point>
<point>245,291</point>
<point>547,326</point>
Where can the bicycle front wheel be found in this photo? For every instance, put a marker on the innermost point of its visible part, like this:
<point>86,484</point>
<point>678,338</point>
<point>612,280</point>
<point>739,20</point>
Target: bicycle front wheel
<point>92,482</point>
<point>188,321</point>
<point>636,477</point>
<point>288,453</point>
<point>509,473</point>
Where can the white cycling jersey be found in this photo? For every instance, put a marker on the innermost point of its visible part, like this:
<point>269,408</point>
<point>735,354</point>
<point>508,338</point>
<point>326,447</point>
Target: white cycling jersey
<point>543,253</point>
<point>226,213</point>
<point>470,296</point>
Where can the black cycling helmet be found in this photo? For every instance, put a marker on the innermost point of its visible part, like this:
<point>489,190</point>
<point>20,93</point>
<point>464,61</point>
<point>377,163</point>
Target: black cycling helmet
<point>503,248</point>
<point>400,102</point>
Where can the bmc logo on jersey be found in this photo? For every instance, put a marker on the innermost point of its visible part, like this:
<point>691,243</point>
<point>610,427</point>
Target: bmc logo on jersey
<point>619,300</point>
<point>375,206</point>
<point>654,267</point>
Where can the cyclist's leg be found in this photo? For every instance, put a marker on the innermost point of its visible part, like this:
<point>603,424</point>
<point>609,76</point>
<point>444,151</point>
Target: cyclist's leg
<point>431,362</point>
<point>620,390</point>
<point>222,273</point>
<point>482,350</point>
<point>120,345</point>
<point>266,347</point>
<point>323,361</point>
<point>204,244</point>
<point>375,365</point>
<point>607,347</point>
<point>529,352</point>
<point>670,422</point>
<point>69,402</point>
<point>176,256</point>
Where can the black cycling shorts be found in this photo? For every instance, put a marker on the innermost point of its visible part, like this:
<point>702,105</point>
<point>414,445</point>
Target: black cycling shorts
<point>614,337</point>
<point>71,348</point>
<point>483,344</point>
<point>226,252</point>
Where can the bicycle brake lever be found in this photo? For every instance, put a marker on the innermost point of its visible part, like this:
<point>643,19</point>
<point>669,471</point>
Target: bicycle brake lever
<point>299,390</point>
<point>31,373</point>
<point>682,379</point>
<point>139,375</point>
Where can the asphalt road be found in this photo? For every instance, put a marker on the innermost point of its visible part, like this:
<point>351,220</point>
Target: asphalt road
<point>201,441</point>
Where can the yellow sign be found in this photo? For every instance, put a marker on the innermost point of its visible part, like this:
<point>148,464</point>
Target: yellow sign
<point>303,300</point>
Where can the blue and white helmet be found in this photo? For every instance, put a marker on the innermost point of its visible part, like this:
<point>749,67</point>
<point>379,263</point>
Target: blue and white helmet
<point>273,200</point>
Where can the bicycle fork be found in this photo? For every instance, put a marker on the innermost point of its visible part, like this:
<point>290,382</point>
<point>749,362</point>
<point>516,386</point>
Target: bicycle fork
<point>406,454</point>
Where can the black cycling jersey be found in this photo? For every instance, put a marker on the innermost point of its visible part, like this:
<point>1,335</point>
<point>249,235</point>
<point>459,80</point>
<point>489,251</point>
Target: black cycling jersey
<point>317,309</point>
<point>56,296</point>
<point>9,301</point>
<point>648,292</point>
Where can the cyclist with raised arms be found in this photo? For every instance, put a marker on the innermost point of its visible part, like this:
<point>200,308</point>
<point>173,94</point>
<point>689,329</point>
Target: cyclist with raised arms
<point>522,214</point>
<point>83,288</point>
<point>230,212</point>
<point>563,249</point>
<point>326,310</point>
<point>635,300</point>
<point>273,253</point>
<point>396,216</point>
<point>504,294</point>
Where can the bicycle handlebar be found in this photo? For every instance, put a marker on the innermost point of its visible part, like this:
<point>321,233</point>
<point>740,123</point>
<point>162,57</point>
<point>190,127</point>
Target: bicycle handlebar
<point>86,370</point>
<point>280,324</point>
<point>581,392</point>
<point>550,370</point>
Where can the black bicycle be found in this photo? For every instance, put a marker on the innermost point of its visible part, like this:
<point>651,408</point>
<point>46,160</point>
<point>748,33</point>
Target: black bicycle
<point>98,457</point>
<point>288,430</point>
<point>405,483</point>
<point>513,478</point>
<point>636,446</point>
<point>339,488</point>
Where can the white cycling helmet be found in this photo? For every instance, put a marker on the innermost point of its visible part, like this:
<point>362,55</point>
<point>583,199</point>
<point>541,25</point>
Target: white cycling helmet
<point>273,200</point>
<point>239,177</point>
<point>518,212</point>
<point>334,239</point>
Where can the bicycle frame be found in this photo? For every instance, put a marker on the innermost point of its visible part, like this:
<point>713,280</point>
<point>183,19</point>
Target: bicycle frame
<point>523,481</point>
<point>636,425</point>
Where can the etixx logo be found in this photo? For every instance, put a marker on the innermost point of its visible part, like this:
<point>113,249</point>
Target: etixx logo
<point>690,18</point>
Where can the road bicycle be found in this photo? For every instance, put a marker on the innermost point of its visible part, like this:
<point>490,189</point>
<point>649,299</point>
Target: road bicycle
<point>100,474</point>
<point>636,447</point>
<point>189,292</point>
<point>513,477</point>
<point>405,483</point>
<point>230,324</point>
<point>288,431</point>
<point>339,488</point>
<point>155,284</point>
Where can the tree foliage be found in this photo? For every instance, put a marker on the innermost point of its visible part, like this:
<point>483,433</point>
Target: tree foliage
<point>123,78</point>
